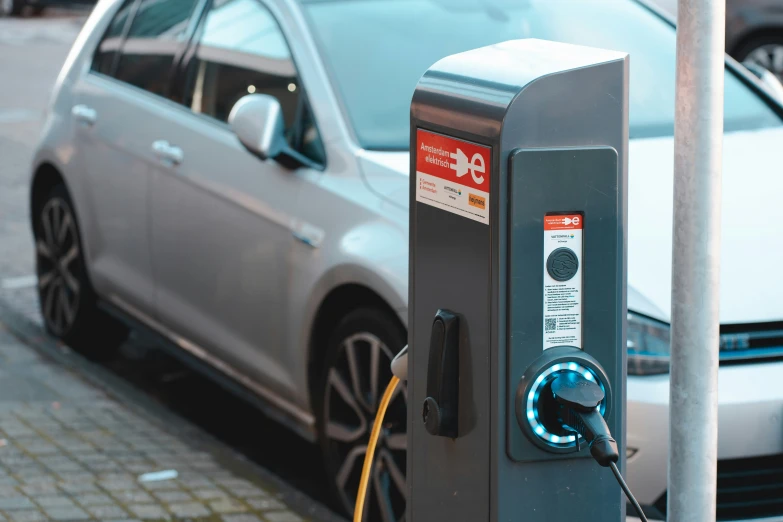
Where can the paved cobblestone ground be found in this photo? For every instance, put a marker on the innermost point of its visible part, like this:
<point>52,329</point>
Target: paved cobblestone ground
<point>69,451</point>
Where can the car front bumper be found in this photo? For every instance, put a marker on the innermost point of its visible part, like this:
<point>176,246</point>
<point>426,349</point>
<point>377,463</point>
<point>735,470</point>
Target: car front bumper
<point>750,424</point>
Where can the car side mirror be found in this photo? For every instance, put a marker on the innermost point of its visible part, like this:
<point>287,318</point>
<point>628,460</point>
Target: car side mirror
<point>767,77</point>
<point>257,120</point>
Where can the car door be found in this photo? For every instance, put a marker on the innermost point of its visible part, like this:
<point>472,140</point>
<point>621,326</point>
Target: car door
<point>223,219</point>
<point>127,83</point>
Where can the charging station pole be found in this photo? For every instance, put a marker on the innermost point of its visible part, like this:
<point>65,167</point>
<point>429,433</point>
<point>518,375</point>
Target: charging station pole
<point>698,145</point>
<point>517,285</point>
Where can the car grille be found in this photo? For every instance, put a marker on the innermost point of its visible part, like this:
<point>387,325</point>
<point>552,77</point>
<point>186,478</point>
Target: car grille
<point>747,488</point>
<point>747,343</point>
<point>750,488</point>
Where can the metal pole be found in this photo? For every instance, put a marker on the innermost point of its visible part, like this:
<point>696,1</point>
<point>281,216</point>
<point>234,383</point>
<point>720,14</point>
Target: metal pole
<point>698,142</point>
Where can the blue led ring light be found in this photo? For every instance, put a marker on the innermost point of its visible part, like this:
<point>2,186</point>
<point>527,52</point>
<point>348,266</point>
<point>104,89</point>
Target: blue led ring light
<point>541,381</point>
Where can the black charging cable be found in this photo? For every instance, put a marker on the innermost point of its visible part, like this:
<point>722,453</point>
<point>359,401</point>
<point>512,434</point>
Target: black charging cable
<point>579,400</point>
<point>627,491</point>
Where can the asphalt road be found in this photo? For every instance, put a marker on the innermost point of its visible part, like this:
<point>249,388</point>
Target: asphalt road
<point>32,51</point>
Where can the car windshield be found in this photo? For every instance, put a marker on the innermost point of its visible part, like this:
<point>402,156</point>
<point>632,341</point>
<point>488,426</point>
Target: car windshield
<point>376,51</point>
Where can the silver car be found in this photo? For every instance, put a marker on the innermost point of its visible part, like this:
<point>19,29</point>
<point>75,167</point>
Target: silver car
<point>233,175</point>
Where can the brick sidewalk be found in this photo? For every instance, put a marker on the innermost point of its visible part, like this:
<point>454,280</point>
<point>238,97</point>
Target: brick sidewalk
<point>70,451</point>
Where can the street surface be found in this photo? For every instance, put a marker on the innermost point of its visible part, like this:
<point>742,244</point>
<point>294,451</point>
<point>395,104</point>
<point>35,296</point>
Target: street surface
<point>31,53</point>
<point>71,451</point>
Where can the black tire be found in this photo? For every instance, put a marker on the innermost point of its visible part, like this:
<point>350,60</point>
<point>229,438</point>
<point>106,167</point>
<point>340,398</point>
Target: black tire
<point>66,297</point>
<point>345,415</point>
<point>38,10</point>
<point>760,49</point>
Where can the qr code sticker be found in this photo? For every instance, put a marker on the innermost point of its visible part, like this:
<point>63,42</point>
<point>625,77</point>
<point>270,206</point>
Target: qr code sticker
<point>550,324</point>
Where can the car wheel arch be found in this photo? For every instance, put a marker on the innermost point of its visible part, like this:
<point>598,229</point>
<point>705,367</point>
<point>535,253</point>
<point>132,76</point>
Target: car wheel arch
<point>337,304</point>
<point>753,34</point>
<point>45,177</point>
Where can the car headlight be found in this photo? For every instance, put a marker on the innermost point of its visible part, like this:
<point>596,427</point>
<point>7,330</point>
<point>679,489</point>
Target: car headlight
<point>648,345</point>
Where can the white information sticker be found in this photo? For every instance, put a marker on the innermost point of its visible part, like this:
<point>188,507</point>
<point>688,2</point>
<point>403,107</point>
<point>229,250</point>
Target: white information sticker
<point>563,280</point>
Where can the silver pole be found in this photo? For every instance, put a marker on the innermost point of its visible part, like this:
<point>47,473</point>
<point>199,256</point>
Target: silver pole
<point>698,143</point>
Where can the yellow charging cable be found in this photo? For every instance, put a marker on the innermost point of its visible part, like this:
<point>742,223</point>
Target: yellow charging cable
<point>368,457</point>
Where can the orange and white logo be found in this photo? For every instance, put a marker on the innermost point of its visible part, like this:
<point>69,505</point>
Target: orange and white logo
<point>452,159</point>
<point>462,165</point>
<point>567,222</point>
<point>442,167</point>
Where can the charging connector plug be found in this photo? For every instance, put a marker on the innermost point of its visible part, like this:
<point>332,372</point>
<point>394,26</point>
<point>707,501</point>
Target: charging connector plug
<point>579,401</point>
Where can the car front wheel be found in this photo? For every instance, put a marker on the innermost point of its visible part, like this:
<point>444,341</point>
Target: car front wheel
<point>766,51</point>
<point>67,300</point>
<point>356,374</point>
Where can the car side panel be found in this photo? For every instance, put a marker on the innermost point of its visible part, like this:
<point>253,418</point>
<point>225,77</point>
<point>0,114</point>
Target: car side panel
<point>335,203</point>
<point>348,235</point>
<point>116,179</point>
<point>222,239</point>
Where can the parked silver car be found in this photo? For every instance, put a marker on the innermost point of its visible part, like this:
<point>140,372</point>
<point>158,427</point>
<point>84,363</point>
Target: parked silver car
<point>233,175</point>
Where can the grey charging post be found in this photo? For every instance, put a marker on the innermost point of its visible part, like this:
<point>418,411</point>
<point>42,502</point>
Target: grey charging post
<point>517,276</point>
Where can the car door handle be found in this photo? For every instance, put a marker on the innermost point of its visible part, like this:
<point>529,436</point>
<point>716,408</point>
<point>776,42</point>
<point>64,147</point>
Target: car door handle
<point>84,114</point>
<point>167,152</point>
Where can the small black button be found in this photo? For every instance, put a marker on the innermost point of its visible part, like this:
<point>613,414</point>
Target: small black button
<point>562,264</point>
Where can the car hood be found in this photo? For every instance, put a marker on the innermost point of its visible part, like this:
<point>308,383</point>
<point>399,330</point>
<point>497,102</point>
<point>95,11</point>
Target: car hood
<point>751,286</point>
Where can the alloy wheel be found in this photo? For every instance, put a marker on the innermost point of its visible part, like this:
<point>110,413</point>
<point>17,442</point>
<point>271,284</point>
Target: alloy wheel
<point>354,387</point>
<point>57,262</point>
<point>769,56</point>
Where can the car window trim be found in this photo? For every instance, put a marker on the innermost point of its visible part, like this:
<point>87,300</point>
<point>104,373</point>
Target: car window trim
<point>120,39</point>
<point>125,30</point>
<point>138,91</point>
<point>176,88</point>
<point>170,104</point>
<point>342,108</point>
<point>180,46</point>
<point>190,53</point>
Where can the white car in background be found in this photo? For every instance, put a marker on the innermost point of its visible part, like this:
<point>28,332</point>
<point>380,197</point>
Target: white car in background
<point>283,268</point>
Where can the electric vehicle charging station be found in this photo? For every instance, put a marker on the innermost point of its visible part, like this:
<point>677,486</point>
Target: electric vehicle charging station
<point>517,284</point>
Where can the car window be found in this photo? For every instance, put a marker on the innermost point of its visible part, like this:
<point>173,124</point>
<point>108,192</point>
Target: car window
<point>108,48</point>
<point>389,44</point>
<point>156,33</point>
<point>241,50</point>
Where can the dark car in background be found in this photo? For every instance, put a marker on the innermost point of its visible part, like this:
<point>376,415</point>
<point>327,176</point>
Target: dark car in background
<point>36,7</point>
<point>754,31</point>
